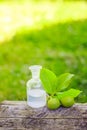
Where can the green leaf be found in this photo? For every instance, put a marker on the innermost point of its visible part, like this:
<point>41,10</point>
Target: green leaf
<point>63,81</point>
<point>71,92</point>
<point>48,79</point>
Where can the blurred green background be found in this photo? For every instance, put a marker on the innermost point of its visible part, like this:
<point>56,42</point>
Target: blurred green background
<point>51,33</point>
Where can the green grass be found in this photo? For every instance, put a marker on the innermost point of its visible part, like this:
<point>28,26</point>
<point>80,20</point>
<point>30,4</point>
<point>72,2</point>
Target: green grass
<point>56,38</point>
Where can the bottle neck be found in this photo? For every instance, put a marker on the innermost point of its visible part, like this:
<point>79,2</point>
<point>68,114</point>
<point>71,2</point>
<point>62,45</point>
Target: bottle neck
<point>35,74</point>
<point>35,70</point>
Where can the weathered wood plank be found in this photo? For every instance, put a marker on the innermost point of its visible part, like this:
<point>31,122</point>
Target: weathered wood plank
<point>20,109</point>
<point>43,124</point>
<point>16,115</point>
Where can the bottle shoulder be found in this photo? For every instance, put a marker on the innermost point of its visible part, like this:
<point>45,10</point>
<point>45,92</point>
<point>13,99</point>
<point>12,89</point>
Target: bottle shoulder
<point>34,83</point>
<point>33,80</point>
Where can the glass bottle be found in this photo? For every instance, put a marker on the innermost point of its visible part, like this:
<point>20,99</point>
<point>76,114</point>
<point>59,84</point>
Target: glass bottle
<point>36,96</point>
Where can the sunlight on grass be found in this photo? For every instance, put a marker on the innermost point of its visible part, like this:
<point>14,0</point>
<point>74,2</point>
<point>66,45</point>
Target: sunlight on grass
<point>52,34</point>
<point>37,15</point>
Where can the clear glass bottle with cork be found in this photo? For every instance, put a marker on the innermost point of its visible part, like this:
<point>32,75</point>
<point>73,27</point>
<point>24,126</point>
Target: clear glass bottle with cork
<point>36,96</point>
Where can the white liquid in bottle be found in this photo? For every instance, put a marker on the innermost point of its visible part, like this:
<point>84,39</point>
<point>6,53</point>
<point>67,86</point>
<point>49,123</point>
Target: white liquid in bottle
<point>36,96</point>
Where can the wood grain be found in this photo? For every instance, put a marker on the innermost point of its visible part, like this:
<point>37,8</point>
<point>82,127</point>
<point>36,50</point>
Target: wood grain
<point>16,115</point>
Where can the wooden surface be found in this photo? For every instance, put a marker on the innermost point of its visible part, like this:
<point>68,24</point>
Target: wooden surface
<point>16,115</point>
